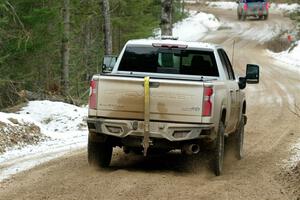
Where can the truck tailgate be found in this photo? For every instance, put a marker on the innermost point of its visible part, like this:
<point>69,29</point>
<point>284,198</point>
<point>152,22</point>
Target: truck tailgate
<point>170,100</point>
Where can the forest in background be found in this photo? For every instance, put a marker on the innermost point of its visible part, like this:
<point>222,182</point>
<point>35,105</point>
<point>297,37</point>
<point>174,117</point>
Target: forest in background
<point>32,32</point>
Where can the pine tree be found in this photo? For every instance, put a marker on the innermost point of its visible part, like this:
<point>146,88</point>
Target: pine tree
<point>65,51</point>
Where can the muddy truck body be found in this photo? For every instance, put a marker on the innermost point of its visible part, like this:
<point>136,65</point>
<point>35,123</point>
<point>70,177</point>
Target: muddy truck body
<point>163,95</point>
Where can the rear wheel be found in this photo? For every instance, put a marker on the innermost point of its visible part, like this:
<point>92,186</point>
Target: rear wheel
<point>266,17</point>
<point>239,16</point>
<point>219,150</point>
<point>240,139</point>
<point>243,17</point>
<point>99,153</point>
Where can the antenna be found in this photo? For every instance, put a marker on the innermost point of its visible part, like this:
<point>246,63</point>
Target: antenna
<point>232,52</point>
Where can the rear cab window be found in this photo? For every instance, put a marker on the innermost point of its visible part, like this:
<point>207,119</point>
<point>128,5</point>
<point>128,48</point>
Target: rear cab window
<point>179,61</point>
<point>226,64</point>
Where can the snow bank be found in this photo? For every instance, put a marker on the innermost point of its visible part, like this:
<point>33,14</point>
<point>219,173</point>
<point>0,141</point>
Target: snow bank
<point>62,123</point>
<point>283,7</point>
<point>55,118</point>
<point>192,1</point>
<point>16,131</point>
<point>290,56</point>
<point>5,118</point>
<point>222,5</point>
<point>294,160</point>
<point>194,27</point>
<point>286,7</point>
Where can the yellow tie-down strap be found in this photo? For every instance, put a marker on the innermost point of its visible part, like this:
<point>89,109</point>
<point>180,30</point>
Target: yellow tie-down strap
<point>146,140</point>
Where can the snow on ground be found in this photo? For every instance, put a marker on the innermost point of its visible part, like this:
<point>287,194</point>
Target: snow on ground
<point>294,160</point>
<point>16,131</point>
<point>192,1</point>
<point>290,56</point>
<point>62,123</point>
<point>55,118</point>
<point>283,7</point>
<point>197,25</point>
<point>261,33</point>
<point>194,27</point>
<point>222,5</point>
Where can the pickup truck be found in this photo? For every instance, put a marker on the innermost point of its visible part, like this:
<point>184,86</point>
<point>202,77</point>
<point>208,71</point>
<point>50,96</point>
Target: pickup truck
<point>254,8</point>
<point>164,95</point>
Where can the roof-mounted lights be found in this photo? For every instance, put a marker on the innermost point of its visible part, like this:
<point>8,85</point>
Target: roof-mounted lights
<point>170,46</point>
<point>168,37</point>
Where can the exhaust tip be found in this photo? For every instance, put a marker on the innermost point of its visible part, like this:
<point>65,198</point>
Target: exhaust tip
<point>190,149</point>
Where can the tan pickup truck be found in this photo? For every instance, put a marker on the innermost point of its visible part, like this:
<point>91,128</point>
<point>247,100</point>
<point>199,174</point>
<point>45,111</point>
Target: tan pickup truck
<point>164,95</point>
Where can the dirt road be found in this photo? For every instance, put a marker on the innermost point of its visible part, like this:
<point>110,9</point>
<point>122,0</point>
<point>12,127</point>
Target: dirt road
<point>270,132</point>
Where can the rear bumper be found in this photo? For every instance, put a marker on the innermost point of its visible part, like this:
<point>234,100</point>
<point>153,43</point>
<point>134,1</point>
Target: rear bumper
<point>163,130</point>
<point>256,12</point>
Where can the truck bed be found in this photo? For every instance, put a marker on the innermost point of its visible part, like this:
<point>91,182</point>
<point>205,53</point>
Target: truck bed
<point>170,100</point>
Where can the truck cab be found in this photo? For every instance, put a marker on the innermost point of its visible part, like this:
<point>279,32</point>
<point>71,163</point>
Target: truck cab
<point>253,8</point>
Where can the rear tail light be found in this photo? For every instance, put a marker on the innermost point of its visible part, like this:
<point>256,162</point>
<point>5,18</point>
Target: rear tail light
<point>93,95</point>
<point>245,7</point>
<point>207,101</point>
<point>267,5</point>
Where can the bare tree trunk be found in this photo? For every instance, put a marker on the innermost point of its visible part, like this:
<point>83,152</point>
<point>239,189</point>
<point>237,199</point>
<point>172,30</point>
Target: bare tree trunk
<point>107,27</point>
<point>87,48</point>
<point>65,50</point>
<point>166,17</point>
<point>182,7</point>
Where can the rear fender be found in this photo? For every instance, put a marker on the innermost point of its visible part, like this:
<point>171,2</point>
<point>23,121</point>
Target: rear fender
<point>223,116</point>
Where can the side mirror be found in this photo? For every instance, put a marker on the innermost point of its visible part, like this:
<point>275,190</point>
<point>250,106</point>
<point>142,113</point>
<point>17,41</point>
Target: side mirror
<point>108,64</point>
<point>252,73</point>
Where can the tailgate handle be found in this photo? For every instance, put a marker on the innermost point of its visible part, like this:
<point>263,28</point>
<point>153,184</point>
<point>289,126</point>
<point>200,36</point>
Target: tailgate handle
<point>153,85</point>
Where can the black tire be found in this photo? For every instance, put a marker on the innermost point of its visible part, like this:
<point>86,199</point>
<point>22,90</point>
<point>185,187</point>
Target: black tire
<point>240,139</point>
<point>239,16</point>
<point>261,17</point>
<point>266,17</point>
<point>219,150</point>
<point>99,153</point>
<point>243,17</point>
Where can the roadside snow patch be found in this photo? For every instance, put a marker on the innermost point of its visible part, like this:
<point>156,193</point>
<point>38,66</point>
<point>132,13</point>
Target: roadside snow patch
<point>286,7</point>
<point>17,132</point>
<point>283,7</point>
<point>56,118</point>
<point>194,27</point>
<point>222,5</point>
<point>290,56</point>
<point>63,125</point>
<point>294,160</point>
<point>192,1</point>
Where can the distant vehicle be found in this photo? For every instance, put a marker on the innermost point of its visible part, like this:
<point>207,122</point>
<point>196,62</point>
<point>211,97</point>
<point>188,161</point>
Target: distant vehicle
<point>254,8</point>
<point>163,95</point>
